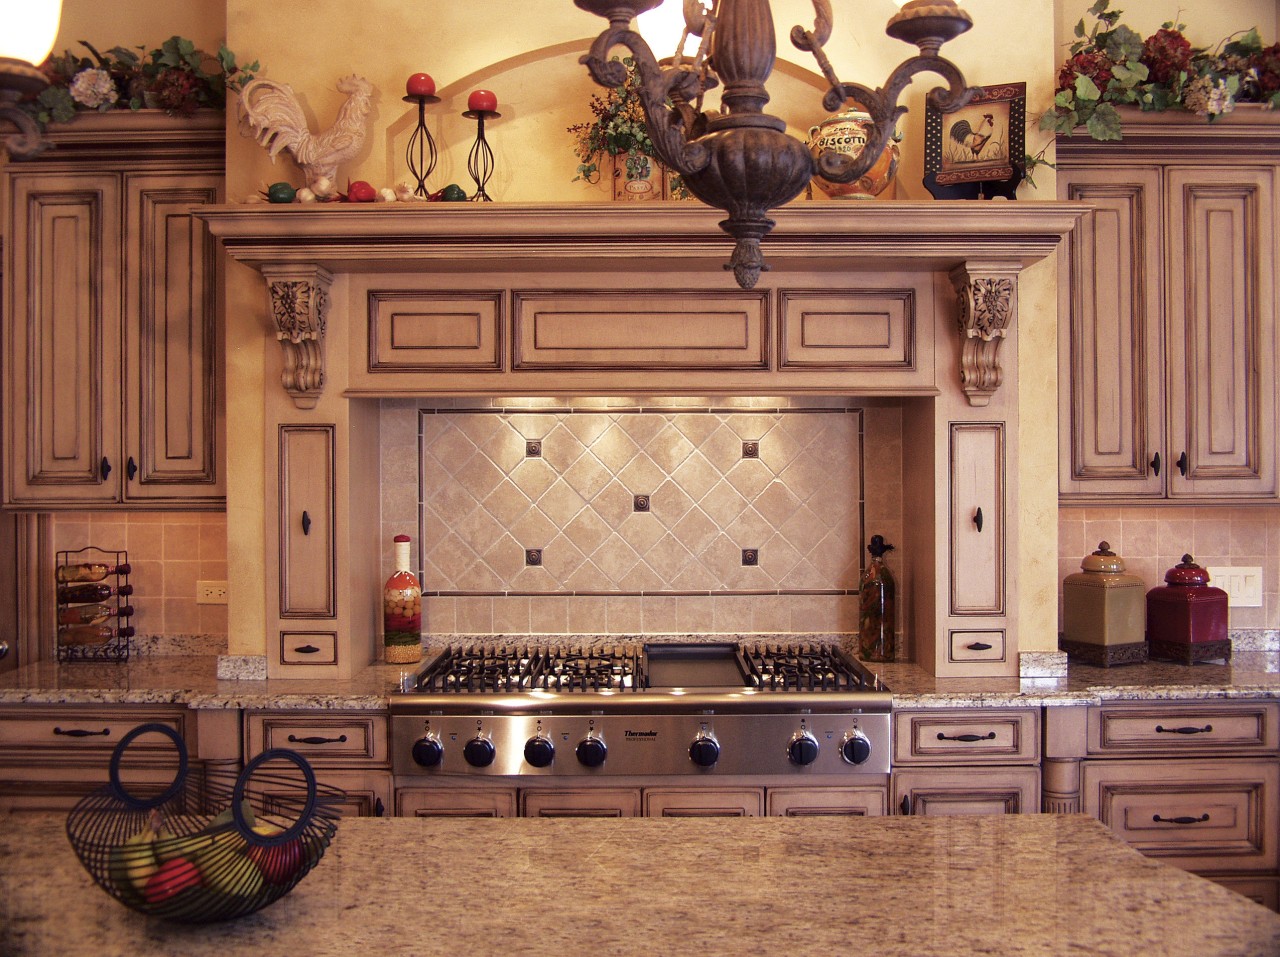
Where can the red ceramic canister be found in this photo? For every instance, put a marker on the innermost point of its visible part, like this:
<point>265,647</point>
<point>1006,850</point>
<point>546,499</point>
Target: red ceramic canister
<point>1187,618</point>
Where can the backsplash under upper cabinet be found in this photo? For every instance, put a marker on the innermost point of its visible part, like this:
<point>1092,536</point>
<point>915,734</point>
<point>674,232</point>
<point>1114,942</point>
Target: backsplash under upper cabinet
<point>599,516</point>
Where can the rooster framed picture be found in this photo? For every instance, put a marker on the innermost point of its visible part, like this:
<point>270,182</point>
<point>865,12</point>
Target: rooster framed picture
<point>976,152</point>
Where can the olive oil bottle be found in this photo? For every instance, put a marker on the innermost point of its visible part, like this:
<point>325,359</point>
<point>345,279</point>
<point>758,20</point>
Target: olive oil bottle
<point>878,606</point>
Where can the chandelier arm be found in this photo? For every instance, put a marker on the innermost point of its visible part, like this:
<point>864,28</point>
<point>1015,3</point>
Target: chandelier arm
<point>25,143</point>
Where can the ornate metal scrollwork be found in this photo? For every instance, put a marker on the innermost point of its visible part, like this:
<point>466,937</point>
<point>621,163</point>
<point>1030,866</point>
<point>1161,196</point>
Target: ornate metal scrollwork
<point>299,306</point>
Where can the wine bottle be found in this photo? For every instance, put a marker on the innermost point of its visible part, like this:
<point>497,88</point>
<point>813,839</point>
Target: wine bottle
<point>75,594</point>
<point>878,608</point>
<point>91,614</point>
<point>90,572</point>
<point>91,634</point>
<point>402,609</point>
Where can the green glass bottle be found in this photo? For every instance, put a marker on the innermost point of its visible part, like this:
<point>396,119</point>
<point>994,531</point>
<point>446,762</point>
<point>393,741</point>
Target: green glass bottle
<point>878,606</point>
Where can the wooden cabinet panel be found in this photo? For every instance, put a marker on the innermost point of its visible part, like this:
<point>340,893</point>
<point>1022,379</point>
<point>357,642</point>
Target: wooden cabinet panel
<point>976,646</point>
<point>969,790</point>
<point>456,802</point>
<point>1260,890</point>
<point>826,802</point>
<point>345,738</point>
<point>977,518</point>
<point>367,793</point>
<point>580,802</point>
<point>307,504</point>
<point>422,331</point>
<point>308,648</point>
<point>703,802</point>
<point>77,733</point>
<point>864,329</point>
<point>1219,815</point>
<point>1185,728</point>
<point>973,736</point>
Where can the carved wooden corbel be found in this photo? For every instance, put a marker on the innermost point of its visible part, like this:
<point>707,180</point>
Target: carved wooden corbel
<point>987,294</point>
<point>299,306</point>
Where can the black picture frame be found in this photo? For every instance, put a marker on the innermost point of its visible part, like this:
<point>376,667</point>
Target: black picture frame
<point>977,151</point>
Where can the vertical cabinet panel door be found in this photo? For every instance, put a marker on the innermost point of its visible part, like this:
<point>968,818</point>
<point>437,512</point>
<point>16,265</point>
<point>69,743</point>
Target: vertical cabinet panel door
<point>307,544</point>
<point>171,421</point>
<point>977,518</point>
<point>63,341</point>
<point>1221,332</point>
<point>1111,402</point>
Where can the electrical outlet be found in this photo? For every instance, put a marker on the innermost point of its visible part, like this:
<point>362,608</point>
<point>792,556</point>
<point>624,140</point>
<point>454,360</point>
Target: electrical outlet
<point>1242,583</point>
<point>211,593</point>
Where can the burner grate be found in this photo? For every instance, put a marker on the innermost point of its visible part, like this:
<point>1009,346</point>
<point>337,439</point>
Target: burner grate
<point>511,668</point>
<point>801,667</point>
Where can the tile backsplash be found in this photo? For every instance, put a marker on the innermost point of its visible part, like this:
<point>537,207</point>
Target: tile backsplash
<point>653,516</point>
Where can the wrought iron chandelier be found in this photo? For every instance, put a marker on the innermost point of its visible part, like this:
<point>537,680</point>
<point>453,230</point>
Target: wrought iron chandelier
<point>742,160</point>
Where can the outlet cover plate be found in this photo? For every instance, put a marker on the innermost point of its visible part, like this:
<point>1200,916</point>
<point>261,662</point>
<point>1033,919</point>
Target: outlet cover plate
<point>1242,583</point>
<point>211,593</point>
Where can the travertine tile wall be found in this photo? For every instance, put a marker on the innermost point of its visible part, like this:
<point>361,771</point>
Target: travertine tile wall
<point>169,552</point>
<point>1153,540</point>
<point>461,481</point>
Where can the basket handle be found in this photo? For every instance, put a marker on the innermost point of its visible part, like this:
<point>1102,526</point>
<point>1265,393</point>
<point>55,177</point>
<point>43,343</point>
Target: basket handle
<point>304,815</point>
<point>118,789</point>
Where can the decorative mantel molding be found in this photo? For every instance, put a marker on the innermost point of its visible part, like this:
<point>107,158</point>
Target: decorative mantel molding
<point>987,296</point>
<point>299,306</point>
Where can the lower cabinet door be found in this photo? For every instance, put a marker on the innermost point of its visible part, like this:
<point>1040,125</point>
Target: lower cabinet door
<point>826,802</point>
<point>938,791</point>
<point>456,802</point>
<point>1260,890</point>
<point>580,802</point>
<point>1216,816</point>
<point>704,802</point>
<point>368,793</point>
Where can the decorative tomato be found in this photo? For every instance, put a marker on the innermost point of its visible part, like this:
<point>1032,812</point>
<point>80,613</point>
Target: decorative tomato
<point>361,192</point>
<point>280,193</point>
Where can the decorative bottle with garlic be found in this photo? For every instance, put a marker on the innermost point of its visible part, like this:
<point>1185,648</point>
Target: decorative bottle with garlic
<point>402,609</point>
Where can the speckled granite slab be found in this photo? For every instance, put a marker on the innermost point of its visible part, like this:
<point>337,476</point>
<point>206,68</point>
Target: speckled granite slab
<point>1041,885</point>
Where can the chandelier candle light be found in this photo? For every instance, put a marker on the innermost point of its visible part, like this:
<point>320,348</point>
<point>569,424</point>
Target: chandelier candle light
<point>741,160</point>
<point>481,103</point>
<point>421,152</point>
<point>25,43</point>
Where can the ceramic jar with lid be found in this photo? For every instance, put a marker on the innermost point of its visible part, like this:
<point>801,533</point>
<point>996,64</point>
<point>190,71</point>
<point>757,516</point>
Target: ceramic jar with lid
<point>1103,611</point>
<point>1187,618</point>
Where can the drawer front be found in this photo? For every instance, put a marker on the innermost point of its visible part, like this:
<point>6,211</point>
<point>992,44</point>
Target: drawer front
<point>1244,727</point>
<point>826,802</point>
<point>1201,815</point>
<point>857,330</point>
<point>423,331</point>
<point>81,732</point>
<point>704,802</point>
<point>948,792</point>
<point>456,802</point>
<point>966,737</point>
<point>308,648</point>
<point>976,646</point>
<point>580,802</point>
<point>345,739</point>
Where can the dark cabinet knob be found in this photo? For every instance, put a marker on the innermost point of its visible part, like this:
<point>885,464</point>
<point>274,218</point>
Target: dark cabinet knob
<point>977,519</point>
<point>1155,464</point>
<point>131,468</point>
<point>1182,464</point>
<point>306,523</point>
<point>104,468</point>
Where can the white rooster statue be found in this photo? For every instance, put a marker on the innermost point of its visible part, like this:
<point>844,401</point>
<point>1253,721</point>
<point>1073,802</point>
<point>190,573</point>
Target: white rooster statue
<point>271,114</point>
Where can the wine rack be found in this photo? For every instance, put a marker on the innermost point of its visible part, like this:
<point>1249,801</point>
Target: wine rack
<point>93,612</point>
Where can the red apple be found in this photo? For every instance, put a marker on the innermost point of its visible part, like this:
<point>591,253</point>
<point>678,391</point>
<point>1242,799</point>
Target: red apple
<point>171,879</point>
<point>361,192</point>
<point>420,84</point>
<point>482,100</point>
<point>279,864</point>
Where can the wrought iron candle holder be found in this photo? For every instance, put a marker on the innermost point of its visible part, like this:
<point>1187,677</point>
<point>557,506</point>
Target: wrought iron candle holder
<point>421,154</point>
<point>480,159</point>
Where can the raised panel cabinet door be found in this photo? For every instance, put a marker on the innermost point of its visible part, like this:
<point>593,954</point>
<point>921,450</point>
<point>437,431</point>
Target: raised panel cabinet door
<point>173,367</point>
<point>1222,332</point>
<point>977,559</point>
<point>307,506</point>
<point>954,791</point>
<point>1111,401</point>
<point>62,341</point>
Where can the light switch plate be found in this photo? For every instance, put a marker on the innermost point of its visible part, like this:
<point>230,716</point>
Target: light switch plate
<point>1242,583</point>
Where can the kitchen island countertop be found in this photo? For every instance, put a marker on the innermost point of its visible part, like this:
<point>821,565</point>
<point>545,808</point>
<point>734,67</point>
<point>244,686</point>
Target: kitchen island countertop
<point>1020,884</point>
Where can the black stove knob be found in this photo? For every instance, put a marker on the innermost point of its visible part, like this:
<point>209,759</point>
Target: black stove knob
<point>479,752</point>
<point>704,751</point>
<point>855,748</point>
<point>539,751</point>
<point>803,748</point>
<point>428,751</point>
<point>592,751</point>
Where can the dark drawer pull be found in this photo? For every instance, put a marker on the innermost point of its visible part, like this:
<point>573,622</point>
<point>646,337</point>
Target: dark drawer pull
<point>104,468</point>
<point>315,740</point>
<point>379,809</point>
<point>977,519</point>
<point>1160,729</point>
<point>906,804</point>
<point>131,468</point>
<point>306,523</point>
<point>1180,820</point>
<point>978,646</point>
<point>81,733</point>
<point>306,650</point>
<point>967,738</point>
<point>1182,464</point>
<point>1155,464</point>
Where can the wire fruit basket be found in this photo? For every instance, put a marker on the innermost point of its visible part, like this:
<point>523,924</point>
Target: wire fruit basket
<point>210,846</point>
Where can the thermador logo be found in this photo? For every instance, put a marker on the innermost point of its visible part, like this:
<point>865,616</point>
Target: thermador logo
<point>640,734</point>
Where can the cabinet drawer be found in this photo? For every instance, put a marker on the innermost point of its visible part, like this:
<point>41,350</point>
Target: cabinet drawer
<point>968,737</point>
<point>856,330</point>
<point>826,802</point>
<point>414,331</point>
<point>1201,815</point>
<point>580,802</point>
<point>350,738</point>
<point>86,733</point>
<point>308,648</point>
<point>1235,727</point>
<point>456,802</point>
<point>971,646</point>
<point>953,791</point>
<point>703,802</point>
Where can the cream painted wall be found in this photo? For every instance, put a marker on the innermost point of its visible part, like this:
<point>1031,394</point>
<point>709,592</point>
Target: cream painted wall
<point>140,22</point>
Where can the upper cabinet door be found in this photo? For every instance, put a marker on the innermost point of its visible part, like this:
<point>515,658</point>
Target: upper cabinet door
<point>172,427</point>
<point>1221,332</point>
<point>62,365</point>
<point>1111,402</point>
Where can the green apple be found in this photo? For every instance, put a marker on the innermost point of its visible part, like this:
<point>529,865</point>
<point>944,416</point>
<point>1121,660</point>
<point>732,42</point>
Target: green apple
<point>225,817</point>
<point>134,862</point>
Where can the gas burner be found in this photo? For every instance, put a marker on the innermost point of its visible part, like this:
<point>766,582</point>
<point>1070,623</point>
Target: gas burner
<point>803,667</point>
<point>480,669</point>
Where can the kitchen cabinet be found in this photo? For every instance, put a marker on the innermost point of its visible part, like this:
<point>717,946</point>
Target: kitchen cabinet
<point>456,802</point>
<point>1195,784</point>
<point>704,802</point>
<point>1167,314</point>
<point>580,802</point>
<point>825,802</point>
<point>967,761</point>
<point>113,354</point>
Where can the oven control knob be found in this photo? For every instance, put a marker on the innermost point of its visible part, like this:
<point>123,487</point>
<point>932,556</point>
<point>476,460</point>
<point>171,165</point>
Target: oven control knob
<point>855,748</point>
<point>705,750</point>
<point>428,751</point>
<point>592,751</point>
<point>539,751</point>
<point>479,752</point>
<point>803,748</point>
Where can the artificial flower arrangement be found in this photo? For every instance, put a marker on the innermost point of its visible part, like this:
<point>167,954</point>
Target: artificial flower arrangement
<point>176,78</point>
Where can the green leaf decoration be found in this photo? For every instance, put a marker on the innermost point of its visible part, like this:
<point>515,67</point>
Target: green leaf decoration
<point>1104,124</point>
<point>1086,89</point>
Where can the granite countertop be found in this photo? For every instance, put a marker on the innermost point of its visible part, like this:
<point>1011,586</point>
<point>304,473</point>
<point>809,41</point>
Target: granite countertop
<point>190,680</point>
<point>1039,885</point>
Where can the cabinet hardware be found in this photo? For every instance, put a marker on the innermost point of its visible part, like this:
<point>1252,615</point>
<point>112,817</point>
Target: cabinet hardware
<point>131,468</point>
<point>4,650</point>
<point>1160,729</point>
<point>906,804</point>
<point>1155,464</point>
<point>1182,464</point>
<point>104,468</point>
<point>306,649</point>
<point>306,523</point>
<point>81,733</point>
<point>378,808</point>
<point>977,519</point>
<point>1181,820</point>
<point>978,646</point>
<point>968,738</point>
<point>294,739</point>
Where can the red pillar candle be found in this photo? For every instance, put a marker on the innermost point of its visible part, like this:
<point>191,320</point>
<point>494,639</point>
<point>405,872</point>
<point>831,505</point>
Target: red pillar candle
<point>482,101</point>
<point>420,84</point>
